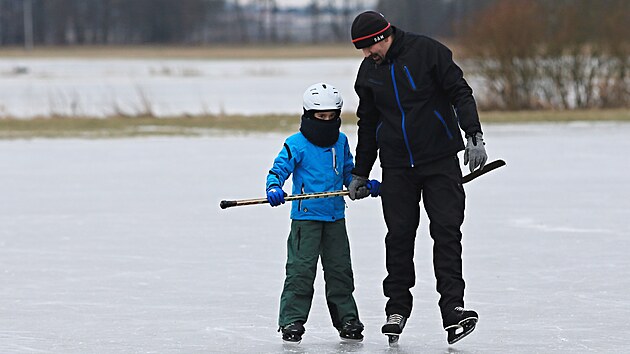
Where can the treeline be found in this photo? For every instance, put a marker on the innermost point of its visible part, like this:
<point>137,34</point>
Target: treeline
<point>437,18</point>
<point>102,22</point>
<point>529,54</point>
<point>62,22</point>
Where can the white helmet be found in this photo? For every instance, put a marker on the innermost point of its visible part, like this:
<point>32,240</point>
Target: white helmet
<point>322,97</point>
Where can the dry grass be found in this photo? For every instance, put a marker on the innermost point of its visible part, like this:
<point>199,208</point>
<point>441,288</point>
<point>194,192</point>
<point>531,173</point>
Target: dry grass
<point>113,127</point>
<point>86,127</point>
<point>188,52</point>
<point>594,115</point>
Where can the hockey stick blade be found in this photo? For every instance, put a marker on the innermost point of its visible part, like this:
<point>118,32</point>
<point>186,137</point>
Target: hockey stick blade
<point>487,168</point>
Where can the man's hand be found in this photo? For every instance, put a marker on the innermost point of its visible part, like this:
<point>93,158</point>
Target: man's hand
<point>275,195</point>
<point>358,187</point>
<point>475,152</point>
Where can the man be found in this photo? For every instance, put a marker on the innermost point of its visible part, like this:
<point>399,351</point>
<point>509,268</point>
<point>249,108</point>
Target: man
<point>413,100</point>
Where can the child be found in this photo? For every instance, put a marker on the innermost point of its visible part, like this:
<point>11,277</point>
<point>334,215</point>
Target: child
<point>320,160</point>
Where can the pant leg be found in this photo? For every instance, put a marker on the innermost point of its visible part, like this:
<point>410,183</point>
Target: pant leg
<point>338,274</point>
<point>444,201</point>
<point>400,196</point>
<point>303,247</point>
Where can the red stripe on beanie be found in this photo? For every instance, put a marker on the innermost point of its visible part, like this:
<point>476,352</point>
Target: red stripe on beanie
<point>373,34</point>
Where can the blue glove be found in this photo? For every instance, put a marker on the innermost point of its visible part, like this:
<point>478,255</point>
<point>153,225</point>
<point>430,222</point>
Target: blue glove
<point>375,187</point>
<point>275,195</point>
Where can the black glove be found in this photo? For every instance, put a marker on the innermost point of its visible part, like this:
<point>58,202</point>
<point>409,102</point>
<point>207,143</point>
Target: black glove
<point>358,187</point>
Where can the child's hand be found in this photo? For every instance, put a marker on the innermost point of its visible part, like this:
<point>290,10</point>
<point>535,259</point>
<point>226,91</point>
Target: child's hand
<point>375,187</point>
<point>275,196</point>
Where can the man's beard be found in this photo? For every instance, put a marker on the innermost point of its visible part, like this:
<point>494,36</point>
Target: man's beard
<point>377,58</point>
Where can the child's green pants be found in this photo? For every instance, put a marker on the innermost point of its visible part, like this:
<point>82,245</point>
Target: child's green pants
<point>307,241</point>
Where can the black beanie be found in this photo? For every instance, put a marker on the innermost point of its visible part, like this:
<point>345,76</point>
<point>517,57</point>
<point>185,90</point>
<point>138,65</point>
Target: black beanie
<point>369,27</point>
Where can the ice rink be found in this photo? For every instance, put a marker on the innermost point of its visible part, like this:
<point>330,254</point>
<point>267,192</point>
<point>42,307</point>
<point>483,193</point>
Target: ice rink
<point>119,246</point>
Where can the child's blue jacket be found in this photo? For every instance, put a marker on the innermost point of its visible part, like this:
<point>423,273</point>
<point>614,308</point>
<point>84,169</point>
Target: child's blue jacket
<point>315,169</point>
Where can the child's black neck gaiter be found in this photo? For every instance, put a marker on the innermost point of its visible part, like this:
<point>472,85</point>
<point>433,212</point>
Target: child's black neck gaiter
<point>322,133</point>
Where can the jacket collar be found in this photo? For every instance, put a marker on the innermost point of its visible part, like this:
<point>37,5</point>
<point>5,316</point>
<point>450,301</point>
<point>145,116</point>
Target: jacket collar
<point>397,46</point>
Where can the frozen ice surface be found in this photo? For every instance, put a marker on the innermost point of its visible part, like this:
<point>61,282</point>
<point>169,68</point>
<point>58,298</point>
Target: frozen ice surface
<point>119,246</point>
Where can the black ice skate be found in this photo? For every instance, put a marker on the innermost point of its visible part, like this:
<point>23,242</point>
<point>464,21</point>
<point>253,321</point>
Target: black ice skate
<point>351,331</point>
<point>393,328</point>
<point>292,333</point>
<point>459,323</point>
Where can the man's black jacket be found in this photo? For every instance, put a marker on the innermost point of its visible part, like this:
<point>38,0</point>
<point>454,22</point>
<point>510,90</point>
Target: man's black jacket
<point>412,105</point>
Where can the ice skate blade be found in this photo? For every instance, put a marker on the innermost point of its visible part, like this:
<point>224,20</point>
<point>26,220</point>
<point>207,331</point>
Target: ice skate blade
<point>289,343</point>
<point>291,340</point>
<point>350,340</point>
<point>461,330</point>
<point>392,339</point>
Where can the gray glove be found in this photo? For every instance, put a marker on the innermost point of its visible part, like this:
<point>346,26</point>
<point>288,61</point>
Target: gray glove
<point>358,187</point>
<point>475,153</point>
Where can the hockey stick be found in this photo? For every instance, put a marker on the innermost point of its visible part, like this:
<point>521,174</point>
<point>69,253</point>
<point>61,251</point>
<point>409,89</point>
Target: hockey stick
<point>232,203</point>
<point>482,171</point>
<point>242,202</point>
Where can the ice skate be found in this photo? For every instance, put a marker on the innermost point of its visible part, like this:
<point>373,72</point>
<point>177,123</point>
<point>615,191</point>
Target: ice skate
<point>459,323</point>
<point>393,328</point>
<point>292,333</point>
<point>351,331</point>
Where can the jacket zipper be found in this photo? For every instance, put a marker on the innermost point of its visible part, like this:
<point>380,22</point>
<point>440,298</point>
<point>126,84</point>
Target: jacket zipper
<point>334,161</point>
<point>404,130</point>
<point>448,131</point>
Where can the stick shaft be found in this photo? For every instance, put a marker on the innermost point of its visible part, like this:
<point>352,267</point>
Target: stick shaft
<point>241,202</point>
<point>232,203</point>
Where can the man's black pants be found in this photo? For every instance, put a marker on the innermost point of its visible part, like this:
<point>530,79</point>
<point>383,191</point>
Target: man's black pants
<point>439,184</point>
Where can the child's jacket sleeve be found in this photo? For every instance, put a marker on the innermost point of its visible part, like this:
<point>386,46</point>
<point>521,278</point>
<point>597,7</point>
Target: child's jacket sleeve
<point>283,166</point>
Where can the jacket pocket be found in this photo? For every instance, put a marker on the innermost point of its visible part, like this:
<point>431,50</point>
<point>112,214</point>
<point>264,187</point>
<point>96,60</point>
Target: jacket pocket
<point>300,201</point>
<point>448,131</point>
<point>375,82</point>
<point>409,78</point>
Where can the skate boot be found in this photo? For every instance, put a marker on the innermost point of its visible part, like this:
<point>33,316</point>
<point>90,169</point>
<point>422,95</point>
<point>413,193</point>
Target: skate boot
<point>351,331</point>
<point>292,333</point>
<point>459,323</point>
<point>393,328</point>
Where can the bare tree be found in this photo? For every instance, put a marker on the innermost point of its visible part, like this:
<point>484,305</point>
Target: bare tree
<point>28,24</point>
<point>561,54</point>
<point>314,11</point>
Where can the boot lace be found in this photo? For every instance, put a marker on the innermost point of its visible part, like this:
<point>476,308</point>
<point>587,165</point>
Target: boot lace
<point>395,319</point>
